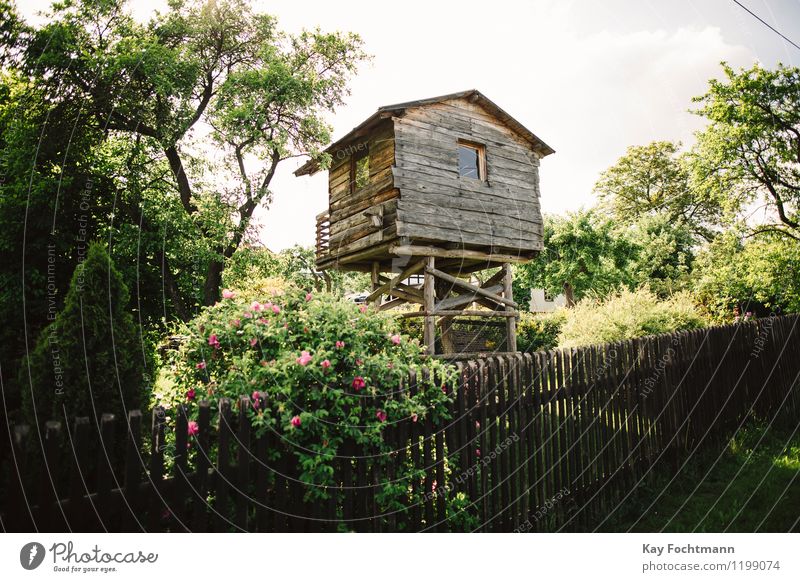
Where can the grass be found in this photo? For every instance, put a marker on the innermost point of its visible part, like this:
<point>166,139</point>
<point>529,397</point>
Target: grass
<point>750,484</point>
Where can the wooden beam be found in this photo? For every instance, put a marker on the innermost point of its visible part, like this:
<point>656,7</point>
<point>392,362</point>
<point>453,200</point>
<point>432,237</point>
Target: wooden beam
<point>464,299</point>
<point>472,355</point>
<point>462,312</point>
<point>496,278</point>
<point>374,296</point>
<point>427,251</point>
<point>469,286</point>
<point>410,297</point>
<point>511,323</point>
<point>386,287</point>
<point>429,293</point>
<point>392,304</point>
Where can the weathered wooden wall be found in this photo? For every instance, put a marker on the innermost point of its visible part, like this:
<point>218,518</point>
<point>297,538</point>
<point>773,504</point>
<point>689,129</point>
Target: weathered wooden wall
<point>438,205</point>
<point>352,223</point>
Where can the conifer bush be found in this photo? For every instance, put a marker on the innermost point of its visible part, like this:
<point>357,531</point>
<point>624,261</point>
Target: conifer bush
<point>89,360</point>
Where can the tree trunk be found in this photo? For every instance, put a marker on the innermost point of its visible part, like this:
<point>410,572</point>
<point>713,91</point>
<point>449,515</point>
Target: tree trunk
<point>213,283</point>
<point>569,294</point>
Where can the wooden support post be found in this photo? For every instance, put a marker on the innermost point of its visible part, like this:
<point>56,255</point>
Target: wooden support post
<point>376,283</point>
<point>511,322</point>
<point>429,293</point>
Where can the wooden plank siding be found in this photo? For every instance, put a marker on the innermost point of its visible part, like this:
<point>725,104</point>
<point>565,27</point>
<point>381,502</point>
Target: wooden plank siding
<point>438,206</point>
<point>362,217</point>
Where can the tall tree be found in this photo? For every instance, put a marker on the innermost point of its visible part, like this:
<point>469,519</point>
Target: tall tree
<point>654,179</point>
<point>582,255</point>
<point>207,98</point>
<point>664,253</point>
<point>749,155</point>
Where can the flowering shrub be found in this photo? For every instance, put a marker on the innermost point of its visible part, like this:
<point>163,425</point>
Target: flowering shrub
<point>320,372</point>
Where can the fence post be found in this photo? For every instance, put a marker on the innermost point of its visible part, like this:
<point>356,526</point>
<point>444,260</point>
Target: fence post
<point>105,468</point>
<point>133,473</point>
<point>156,505</point>
<point>78,486</point>
<point>243,462</point>
<point>223,473</point>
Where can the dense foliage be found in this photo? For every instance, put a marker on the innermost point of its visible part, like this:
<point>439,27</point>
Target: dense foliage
<point>539,331</point>
<point>736,275</point>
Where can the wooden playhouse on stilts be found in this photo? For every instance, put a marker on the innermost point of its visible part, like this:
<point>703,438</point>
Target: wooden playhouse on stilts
<point>424,194</point>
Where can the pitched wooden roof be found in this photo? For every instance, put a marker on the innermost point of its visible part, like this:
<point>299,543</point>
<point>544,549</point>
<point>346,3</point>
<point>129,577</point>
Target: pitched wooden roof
<point>473,95</point>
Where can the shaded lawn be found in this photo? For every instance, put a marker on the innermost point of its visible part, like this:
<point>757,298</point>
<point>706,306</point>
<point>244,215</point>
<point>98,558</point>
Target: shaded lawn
<point>754,486</point>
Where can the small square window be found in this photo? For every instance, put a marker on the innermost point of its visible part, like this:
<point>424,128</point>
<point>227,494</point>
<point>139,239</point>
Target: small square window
<point>471,160</point>
<point>359,171</point>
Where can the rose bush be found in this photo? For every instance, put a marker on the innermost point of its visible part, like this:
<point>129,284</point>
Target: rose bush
<point>320,371</point>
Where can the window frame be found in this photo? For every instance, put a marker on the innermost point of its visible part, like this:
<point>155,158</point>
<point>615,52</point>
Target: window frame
<point>361,153</point>
<point>481,151</point>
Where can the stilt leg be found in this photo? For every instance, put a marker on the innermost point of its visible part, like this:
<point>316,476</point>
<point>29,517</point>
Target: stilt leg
<point>429,295</point>
<point>511,322</point>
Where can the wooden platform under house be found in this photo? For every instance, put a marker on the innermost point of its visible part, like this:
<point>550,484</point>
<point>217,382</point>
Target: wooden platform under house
<point>425,193</point>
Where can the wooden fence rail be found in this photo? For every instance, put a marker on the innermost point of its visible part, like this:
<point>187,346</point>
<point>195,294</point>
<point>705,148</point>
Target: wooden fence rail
<point>536,442</point>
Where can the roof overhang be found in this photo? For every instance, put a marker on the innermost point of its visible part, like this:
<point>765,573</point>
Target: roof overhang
<point>473,95</point>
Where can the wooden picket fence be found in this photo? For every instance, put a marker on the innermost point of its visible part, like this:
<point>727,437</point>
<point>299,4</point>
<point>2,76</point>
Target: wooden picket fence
<point>537,442</point>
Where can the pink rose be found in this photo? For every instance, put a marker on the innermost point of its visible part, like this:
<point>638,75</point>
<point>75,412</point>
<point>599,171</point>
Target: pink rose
<point>477,452</point>
<point>255,306</point>
<point>236,322</point>
<point>309,297</point>
<point>192,428</point>
<point>190,394</point>
<point>248,315</point>
<point>359,362</point>
<point>213,340</point>
<point>414,417</point>
<point>254,399</point>
<point>358,383</point>
<point>201,365</point>
<point>363,308</point>
<point>326,364</point>
<point>296,422</point>
<point>304,358</point>
<point>339,344</point>
<point>253,341</point>
<point>395,339</point>
<point>228,294</point>
<point>381,415</point>
<point>276,309</point>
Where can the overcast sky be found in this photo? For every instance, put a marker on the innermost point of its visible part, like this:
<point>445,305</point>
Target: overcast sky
<point>588,77</point>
